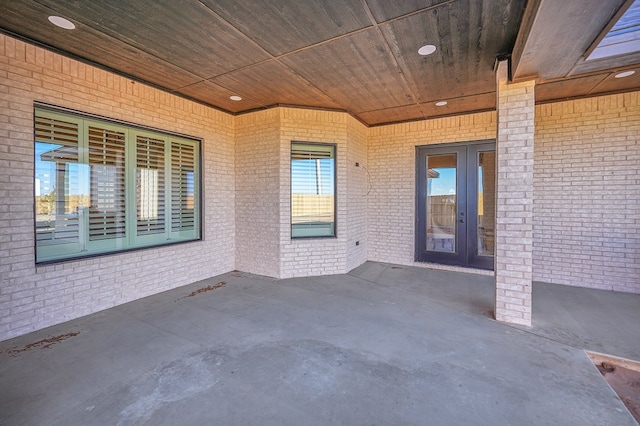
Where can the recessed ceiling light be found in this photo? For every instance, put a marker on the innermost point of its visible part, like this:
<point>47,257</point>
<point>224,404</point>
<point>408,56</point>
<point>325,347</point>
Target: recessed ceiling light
<point>625,74</point>
<point>441,103</point>
<point>235,98</point>
<point>427,49</point>
<point>61,22</point>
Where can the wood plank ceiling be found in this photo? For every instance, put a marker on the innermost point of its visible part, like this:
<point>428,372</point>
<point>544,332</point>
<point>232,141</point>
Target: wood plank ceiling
<point>358,56</point>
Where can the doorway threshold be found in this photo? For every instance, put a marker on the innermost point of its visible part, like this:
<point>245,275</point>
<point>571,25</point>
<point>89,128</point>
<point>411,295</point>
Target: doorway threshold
<point>441,267</point>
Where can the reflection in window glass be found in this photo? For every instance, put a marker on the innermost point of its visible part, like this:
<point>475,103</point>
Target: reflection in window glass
<point>312,190</point>
<point>107,158</point>
<point>150,196</point>
<point>441,202</point>
<point>102,187</point>
<point>59,190</point>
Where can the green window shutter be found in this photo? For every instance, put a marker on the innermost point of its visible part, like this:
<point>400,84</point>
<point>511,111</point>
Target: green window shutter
<point>183,181</point>
<point>104,187</point>
<point>58,132</point>
<point>57,155</point>
<point>150,186</point>
<point>107,218</point>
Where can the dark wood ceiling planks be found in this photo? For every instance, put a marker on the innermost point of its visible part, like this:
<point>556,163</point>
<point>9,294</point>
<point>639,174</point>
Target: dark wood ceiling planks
<point>354,55</point>
<point>468,35</point>
<point>280,27</point>
<point>29,19</point>
<point>356,71</point>
<point>182,32</point>
<point>557,37</point>
<point>274,83</point>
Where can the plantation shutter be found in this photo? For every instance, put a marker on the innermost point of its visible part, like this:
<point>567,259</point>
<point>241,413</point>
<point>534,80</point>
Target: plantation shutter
<point>107,190</point>
<point>58,132</point>
<point>311,170</point>
<point>311,152</point>
<point>150,183</point>
<point>105,187</point>
<point>183,166</point>
<point>56,218</point>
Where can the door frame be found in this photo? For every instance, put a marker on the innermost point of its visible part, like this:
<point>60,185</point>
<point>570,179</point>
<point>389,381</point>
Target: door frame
<point>466,240</point>
<point>459,255</point>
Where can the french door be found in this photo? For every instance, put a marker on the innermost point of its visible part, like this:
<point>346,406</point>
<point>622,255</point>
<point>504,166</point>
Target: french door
<point>455,204</point>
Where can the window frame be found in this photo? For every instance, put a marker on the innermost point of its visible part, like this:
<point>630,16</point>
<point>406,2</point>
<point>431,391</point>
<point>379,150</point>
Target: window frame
<point>85,248</point>
<point>334,148</point>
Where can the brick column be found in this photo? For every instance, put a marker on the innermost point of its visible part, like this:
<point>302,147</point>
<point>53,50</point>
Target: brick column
<point>514,198</point>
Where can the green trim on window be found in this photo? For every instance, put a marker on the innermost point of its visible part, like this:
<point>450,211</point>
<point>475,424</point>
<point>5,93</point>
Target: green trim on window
<point>103,187</point>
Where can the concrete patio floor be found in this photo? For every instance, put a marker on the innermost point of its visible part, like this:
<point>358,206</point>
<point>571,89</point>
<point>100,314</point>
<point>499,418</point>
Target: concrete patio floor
<point>384,345</point>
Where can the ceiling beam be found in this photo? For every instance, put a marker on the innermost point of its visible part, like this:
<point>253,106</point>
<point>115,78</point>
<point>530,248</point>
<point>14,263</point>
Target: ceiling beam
<point>530,13</point>
<point>542,49</point>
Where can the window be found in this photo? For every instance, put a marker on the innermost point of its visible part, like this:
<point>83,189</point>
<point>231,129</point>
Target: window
<point>313,183</point>
<point>103,187</point>
<point>623,38</point>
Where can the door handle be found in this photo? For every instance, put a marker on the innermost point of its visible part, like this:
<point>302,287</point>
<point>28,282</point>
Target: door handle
<point>461,220</point>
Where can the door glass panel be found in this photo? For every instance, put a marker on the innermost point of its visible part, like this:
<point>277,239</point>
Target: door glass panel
<point>486,202</point>
<point>441,203</point>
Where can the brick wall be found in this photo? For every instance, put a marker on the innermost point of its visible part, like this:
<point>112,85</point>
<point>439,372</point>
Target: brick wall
<point>585,229</point>
<point>263,199</point>
<point>318,256</point>
<point>585,223</point>
<point>391,162</point>
<point>514,198</point>
<point>587,193</point>
<point>258,192</point>
<point>35,297</point>
<point>357,192</point>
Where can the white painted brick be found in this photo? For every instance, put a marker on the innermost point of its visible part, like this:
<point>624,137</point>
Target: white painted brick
<point>514,197</point>
<point>391,163</point>
<point>586,186</point>
<point>41,76</point>
<point>585,182</point>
